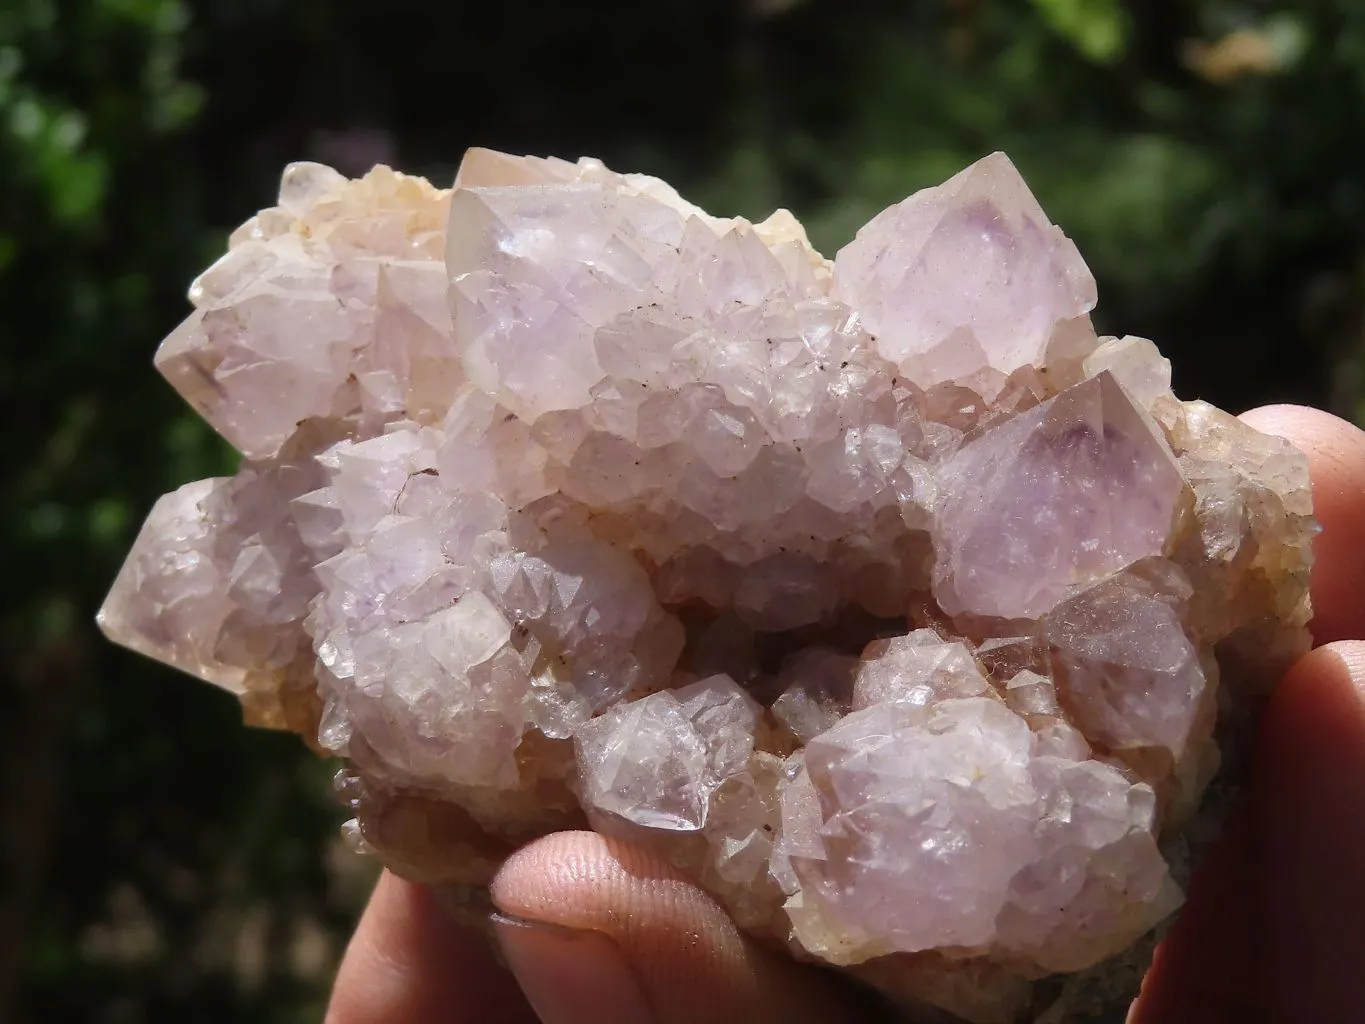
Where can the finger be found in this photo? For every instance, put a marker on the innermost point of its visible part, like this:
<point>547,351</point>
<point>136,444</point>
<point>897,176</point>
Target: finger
<point>662,948</point>
<point>1336,463</point>
<point>1204,969</point>
<point>1201,973</point>
<point>409,963</point>
<point>1309,806</point>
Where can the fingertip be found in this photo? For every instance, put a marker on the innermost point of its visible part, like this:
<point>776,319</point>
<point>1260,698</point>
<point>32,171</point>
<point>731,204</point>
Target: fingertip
<point>1351,655</point>
<point>570,975</point>
<point>690,959</point>
<point>1309,805</point>
<point>1202,970</point>
<point>1317,712</point>
<point>674,936</point>
<point>586,880</point>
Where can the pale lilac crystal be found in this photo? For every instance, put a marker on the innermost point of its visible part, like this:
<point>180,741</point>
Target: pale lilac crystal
<point>1126,670</point>
<point>658,761</point>
<point>817,691</point>
<point>440,700</point>
<point>927,813</point>
<point>1067,492</point>
<point>901,803</point>
<point>1097,881</point>
<point>917,668</point>
<point>169,601</point>
<point>879,595</point>
<point>965,278</point>
<point>328,306</point>
<point>219,582</point>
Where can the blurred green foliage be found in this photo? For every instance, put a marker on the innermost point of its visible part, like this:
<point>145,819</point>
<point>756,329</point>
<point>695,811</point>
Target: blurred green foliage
<point>157,861</point>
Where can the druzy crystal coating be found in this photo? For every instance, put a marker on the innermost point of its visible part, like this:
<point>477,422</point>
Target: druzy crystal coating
<point>881,594</point>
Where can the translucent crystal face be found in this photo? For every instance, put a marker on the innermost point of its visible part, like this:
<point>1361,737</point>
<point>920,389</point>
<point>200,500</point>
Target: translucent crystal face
<point>1072,490</point>
<point>879,593</point>
<point>967,281</point>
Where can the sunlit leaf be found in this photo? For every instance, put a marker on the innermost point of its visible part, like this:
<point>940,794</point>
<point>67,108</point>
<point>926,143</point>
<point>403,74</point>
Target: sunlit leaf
<point>1097,28</point>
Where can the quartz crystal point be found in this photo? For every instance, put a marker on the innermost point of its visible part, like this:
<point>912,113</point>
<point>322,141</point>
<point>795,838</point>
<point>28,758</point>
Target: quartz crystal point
<point>910,617</point>
<point>967,281</point>
<point>1072,490</point>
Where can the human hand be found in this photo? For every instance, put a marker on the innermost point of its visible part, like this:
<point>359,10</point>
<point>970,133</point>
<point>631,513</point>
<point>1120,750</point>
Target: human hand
<point>597,932</point>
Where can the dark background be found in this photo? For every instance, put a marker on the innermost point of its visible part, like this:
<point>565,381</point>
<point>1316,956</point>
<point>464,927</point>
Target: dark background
<point>160,863</point>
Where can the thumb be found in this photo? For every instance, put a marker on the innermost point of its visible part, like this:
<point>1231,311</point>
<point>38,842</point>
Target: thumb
<point>596,929</point>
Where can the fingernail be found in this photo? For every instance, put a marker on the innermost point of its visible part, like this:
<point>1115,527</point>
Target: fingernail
<point>569,975</point>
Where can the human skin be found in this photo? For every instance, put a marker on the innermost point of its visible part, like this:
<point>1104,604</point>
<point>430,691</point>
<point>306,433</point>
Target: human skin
<point>596,932</point>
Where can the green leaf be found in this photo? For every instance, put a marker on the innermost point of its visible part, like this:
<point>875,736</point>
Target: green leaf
<point>76,186</point>
<point>1096,28</point>
<point>108,520</point>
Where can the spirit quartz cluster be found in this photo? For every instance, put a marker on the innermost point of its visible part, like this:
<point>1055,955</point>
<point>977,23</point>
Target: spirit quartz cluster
<point>908,615</point>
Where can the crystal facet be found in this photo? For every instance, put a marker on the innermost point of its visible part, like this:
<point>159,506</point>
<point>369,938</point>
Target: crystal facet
<point>907,615</point>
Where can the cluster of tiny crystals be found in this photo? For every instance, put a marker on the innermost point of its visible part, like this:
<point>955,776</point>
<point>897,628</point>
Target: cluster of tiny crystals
<point>880,594</point>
